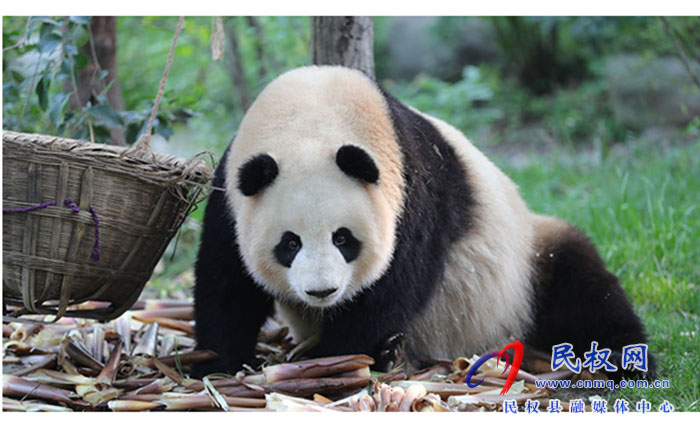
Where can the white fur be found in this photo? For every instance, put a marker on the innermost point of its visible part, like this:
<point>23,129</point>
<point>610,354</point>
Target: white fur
<point>301,120</point>
<point>484,299</point>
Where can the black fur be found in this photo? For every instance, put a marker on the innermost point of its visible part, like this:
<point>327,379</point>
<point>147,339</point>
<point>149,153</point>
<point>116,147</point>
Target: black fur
<point>229,308</point>
<point>256,174</point>
<point>437,211</point>
<point>287,248</point>
<point>347,243</point>
<point>357,163</point>
<point>579,301</point>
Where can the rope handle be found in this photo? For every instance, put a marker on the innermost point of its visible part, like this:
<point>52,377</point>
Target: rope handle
<point>143,144</point>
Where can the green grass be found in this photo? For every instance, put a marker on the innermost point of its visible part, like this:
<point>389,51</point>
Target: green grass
<point>640,204</point>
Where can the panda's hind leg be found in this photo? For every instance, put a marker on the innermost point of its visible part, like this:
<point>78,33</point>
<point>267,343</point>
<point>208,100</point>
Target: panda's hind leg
<point>577,300</point>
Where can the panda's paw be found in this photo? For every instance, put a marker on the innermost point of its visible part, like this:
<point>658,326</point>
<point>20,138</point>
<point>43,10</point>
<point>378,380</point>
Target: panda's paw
<point>203,369</point>
<point>616,360</point>
<point>391,352</point>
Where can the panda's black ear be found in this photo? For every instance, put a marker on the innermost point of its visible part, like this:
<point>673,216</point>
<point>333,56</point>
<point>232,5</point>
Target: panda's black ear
<point>257,173</point>
<point>355,162</point>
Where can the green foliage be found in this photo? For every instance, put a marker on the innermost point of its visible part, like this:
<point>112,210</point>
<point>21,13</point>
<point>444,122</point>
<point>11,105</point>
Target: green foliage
<point>464,104</point>
<point>570,116</point>
<point>198,88</point>
<point>40,53</point>
<point>41,77</point>
<point>285,45</point>
<point>537,50</point>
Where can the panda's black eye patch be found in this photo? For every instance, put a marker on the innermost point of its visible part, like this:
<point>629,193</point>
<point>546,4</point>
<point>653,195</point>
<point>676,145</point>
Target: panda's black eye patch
<point>287,248</point>
<point>348,245</point>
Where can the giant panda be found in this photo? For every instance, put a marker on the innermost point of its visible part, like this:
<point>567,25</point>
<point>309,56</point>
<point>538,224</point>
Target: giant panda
<point>362,220</point>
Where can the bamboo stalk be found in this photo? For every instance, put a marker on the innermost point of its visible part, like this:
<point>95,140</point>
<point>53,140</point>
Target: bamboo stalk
<point>98,337</point>
<point>215,395</point>
<point>189,358</point>
<point>308,386</point>
<point>241,391</point>
<point>168,323</point>
<point>134,383</point>
<point>430,402</point>
<point>57,378</point>
<point>123,328</point>
<point>181,313</point>
<point>148,341</point>
<point>131,405</point>
<point>413,393</point>
<point>154,387</point>
<point>186,401</point>
<point>109,372</point>
<point>154,304</point>
<point>316,367</point>
<point>80,356</point>
<point>443,389</point>
<point>428,373</point>
<point>46,361</point>
<point>167,371</point>
<point>9,404</point>
<point>359,372</point>
<point>280,402</point>
<point>19,388</point>
<point>168,344</point>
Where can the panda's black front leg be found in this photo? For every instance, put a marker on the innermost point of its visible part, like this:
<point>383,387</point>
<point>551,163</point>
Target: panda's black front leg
<point>369,325</point>
<point>229,307</point>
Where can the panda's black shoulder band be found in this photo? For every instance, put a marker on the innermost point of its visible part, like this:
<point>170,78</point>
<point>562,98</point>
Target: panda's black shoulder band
<point>355,162</point>
<point>256,174</point>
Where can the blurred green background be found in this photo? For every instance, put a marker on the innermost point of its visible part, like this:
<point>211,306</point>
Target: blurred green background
<point>596,118</point>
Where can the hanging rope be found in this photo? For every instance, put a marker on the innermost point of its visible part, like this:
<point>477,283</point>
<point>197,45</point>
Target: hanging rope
<point>144,141</point>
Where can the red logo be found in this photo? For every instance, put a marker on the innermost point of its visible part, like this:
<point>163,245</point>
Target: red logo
<point>518,350</point>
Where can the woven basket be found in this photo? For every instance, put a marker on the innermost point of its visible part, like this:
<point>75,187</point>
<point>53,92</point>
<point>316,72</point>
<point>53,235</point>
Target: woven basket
<point>131,204</point>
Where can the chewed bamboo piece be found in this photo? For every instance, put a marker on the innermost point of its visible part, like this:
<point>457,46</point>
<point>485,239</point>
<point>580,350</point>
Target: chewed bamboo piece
<point>141,362</point>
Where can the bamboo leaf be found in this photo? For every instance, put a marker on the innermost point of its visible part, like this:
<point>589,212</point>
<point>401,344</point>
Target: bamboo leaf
<point>106,115</point>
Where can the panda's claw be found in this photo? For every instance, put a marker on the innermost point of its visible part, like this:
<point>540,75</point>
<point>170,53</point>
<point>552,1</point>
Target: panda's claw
<point>391,352</point>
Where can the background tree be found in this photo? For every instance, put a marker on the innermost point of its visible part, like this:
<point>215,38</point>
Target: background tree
<point>343,40</point>
<point>101,50</point>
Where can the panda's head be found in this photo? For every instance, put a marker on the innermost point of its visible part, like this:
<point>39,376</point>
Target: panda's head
<point>314,182</point>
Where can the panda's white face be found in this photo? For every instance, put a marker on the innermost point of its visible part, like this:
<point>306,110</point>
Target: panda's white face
<point>311,238</point>
<point>314,180</point>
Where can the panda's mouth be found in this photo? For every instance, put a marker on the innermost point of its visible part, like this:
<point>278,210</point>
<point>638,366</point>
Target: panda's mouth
<point>322,297</point>
<point>321,293</point>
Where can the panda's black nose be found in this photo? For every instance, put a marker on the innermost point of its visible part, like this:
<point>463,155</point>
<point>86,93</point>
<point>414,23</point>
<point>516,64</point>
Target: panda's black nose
<point>321,293</point>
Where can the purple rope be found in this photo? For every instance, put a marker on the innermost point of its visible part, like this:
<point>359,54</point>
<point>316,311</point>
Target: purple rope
<point>95,256</point>
<point>72,205</point>
<point>28,209</point>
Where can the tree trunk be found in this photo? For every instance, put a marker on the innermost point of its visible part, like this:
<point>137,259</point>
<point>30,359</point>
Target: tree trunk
<point>343,40</point>
<point>259,46</point>
<point>102,51</point>
<point>235,62</point>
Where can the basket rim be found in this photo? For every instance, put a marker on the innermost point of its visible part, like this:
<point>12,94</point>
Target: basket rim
<point>148,165</point>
